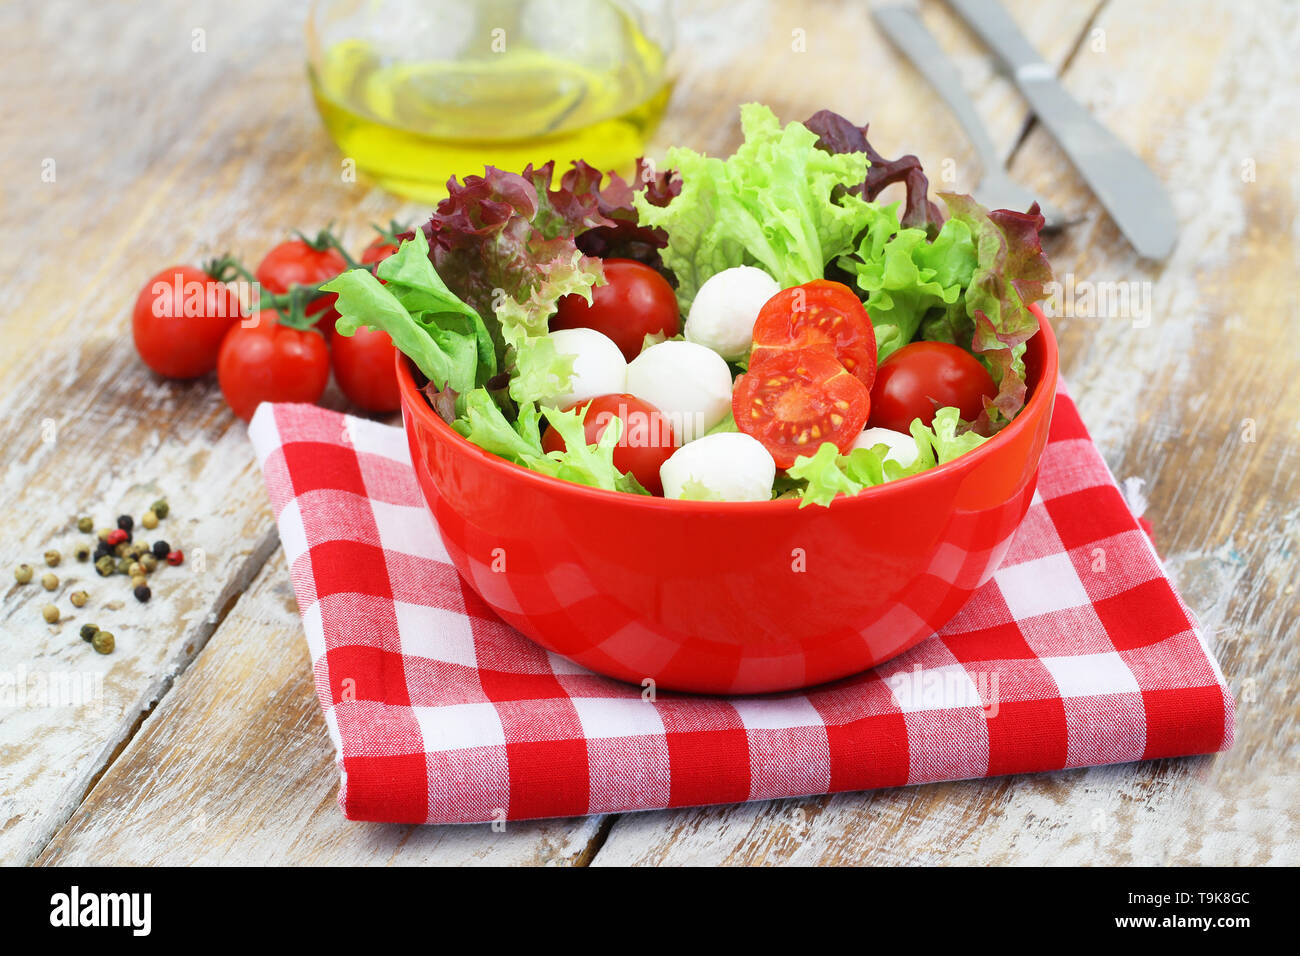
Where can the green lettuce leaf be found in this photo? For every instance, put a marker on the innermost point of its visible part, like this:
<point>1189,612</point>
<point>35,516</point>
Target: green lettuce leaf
<point>827,473</point>
<point>778,202</point>
<point>444,336</point>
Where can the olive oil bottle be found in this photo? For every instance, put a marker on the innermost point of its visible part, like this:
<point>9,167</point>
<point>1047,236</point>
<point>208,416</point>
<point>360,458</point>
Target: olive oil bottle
<point>492,82</point>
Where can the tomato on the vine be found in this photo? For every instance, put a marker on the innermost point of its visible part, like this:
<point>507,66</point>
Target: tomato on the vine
<point>797,399</point>
<point>298,262</point>
<point>919,379</point>
<point>823,314</point>
<point>634,302</point>
<point>180,317</point>
<point>646,442</point>
<point>377,251</point>
<point>365,368</point>
<point>271,362</point>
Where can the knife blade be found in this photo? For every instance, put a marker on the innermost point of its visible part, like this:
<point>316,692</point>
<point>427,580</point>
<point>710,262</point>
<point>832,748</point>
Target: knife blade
<point>1126,187</point>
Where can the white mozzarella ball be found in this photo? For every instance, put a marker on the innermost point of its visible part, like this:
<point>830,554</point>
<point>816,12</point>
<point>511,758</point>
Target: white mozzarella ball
<point>598,366</point>
<point>723,313</point>
<point>731,465</point>
<point>688,383</point>
<point>902,448</point>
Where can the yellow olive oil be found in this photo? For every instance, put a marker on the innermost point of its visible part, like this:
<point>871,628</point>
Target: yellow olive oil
<point>410,126</point>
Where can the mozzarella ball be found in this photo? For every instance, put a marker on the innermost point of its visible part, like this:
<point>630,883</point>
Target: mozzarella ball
<point>688,383</point>
<point>731,465</point>
<point>902,448</point>
<point>598,366</point>
<point>723,313</point>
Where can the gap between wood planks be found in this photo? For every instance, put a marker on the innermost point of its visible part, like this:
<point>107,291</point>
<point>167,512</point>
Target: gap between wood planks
<point>225,601</point>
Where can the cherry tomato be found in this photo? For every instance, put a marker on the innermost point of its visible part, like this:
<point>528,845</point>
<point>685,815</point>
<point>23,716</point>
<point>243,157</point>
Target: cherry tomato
<point>818,313</point>
<point>295,262</point>
<point>365,369</point>
<point>646,443</point>
<point>797,399</point>
<point>377,251</point>
<point>180,317</point>
<point>270,362</point>
<point>921,378</point>
<point>634,302</point>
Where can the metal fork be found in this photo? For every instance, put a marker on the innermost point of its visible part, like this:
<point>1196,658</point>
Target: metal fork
<point>997,190</point>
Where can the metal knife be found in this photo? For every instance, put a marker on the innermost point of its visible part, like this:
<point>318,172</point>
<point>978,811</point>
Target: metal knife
<point>1126,187</point>
<point>902,23</point>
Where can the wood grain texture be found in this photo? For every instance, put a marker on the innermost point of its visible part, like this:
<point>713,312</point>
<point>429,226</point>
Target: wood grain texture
<point>235,767</point>
<point>1169,403</point>
<point>198,152</point>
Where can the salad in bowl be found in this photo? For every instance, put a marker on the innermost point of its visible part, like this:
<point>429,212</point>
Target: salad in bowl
<point>736,425</point>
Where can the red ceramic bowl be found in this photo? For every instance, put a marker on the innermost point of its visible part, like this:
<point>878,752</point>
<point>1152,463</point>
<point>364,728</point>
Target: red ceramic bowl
<point>730,597</point>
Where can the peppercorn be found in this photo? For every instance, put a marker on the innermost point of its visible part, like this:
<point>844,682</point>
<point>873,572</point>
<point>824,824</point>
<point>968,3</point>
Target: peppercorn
<point>148,562</point>
<point>49,581</point>
<point>104,565</point>
<point>142,593</point>
<point>175,557</point>
<point>101,549</point>
<point>121,566</point>
<point>125,522</point>
<point>149,519</point>
<point>50,613</point>
<point>85,525</point>
<point>116,536</point>
<point>23,573</point>
<point>102,642</point>
<point>160,549</point>
<point>121,550</point>
<point>103,533</point>
<point>88,632</point>
<point>137,580</point>
<point>160,508</point>
<point>78,598</point>
<point>52,558</point>
<point>135,569</point>
<point>81,552</point>
<point>139,549</point>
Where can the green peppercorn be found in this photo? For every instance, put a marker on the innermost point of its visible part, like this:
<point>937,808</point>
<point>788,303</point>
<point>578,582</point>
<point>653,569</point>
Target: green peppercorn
<point>149,519</point>
<point>104,566</point>
<point>142,593</point>
<point>103,533</point>
<point>103,642</point>
<point>49,581</point>
<point>50,613</point>
<point>78,598</point>
<point>52,558</point>
<point>85,525</point>
<point>149,562</point>
<point>122,549</point>
<point>23,573</point>
<point>160,508</point>
<point>121,565</point>
<point>88,632</point>
<point>81,552</point>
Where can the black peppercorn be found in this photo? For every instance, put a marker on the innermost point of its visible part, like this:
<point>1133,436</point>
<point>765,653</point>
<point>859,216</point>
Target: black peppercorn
<point>125,522</point>
<point>142,593</point>
<point>160,549</point>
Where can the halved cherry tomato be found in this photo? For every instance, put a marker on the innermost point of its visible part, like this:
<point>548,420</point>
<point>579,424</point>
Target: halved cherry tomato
<point>296,262</point>
<point>919,379</point>
<point>180,317</point>
<point>818,313</point>
<point>365,369</point>
<point>647,440</point>
<point>270,362</point>
<point>634,302</point>
<point>797,399</point>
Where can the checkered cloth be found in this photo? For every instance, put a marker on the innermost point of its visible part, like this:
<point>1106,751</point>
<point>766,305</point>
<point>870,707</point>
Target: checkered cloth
<point>1078,652</point>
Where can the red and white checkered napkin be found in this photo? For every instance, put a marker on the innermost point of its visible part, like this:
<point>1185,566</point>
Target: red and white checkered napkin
<point>1077,652</point>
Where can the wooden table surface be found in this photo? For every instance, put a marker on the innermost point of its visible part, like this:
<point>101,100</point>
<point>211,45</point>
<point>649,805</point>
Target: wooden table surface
<point>126,148</point>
